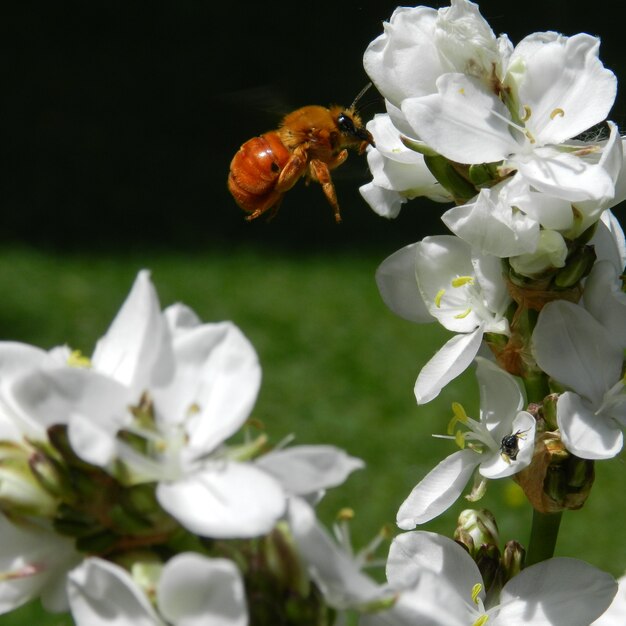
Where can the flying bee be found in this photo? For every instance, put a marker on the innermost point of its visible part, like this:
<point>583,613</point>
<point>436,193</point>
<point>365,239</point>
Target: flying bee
<point>309,143</point>
<point>509,448</point>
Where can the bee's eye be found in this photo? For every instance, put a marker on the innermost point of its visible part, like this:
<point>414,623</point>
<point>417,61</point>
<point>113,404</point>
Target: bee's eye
<point>346,125</point>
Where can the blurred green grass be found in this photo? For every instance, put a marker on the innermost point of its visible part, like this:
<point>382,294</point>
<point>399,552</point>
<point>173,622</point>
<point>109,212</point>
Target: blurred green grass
<point>338,367</point>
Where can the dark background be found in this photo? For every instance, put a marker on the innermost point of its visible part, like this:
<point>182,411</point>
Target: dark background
<point>119,119</point>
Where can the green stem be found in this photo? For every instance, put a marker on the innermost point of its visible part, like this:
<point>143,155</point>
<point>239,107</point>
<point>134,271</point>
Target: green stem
<point>543,535</point>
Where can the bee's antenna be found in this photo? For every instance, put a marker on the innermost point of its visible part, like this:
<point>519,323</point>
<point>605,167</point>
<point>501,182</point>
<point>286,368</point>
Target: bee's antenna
<point>360,95</point>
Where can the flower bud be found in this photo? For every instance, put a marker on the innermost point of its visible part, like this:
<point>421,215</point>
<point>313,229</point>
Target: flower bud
<point>513,559</point>
<point>556,479</point>
<point>551,253</point>
<point>21,491</point>
<point>578,266</point>
<point>479,526</point>
<point>283,560</point>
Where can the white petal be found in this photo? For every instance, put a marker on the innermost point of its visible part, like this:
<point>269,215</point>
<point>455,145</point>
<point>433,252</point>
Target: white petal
<point>136,341</point>
<point>565,175</point>
<point>413,552</point>
<point>433,601</point>
<point>608,241</point>
<point>585,433</point>
<point>606,301</point>
<point>334,570</point>
<point>34,562</point>
<point>198,591</point>
<point>463,122</point>
<point>224,500</point>
<point>492,226</point>
<point>384,202</point>
<point>94,407</point>
<point>403,61</point>
<point>397,284</point>
<point>559,591</point>
<point>451,360</point>
<point>551,212</point>
<point>563,74</point>
<point>493,290</point>
<point>574,349</point>
<point>388,144</point>
<point>215,385</point>
<point>501,397</point>
<point>409,179</point>
<point>438,490</point>
<point>616,613</point>
<point>102,593</point>
<point>304,470</point>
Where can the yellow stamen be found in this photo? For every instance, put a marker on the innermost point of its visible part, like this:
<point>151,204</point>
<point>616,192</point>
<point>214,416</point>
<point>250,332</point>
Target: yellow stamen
<point>77,359</point>
<point>476,589</point>
<point>481,620</point>
<point>459,412</point>
<point>345,514</point>
<point>462,91</point>
<point>557,112</point>
<point>527,113</point>
<point>459,438</point>
<point>530,137</point>
<point>459,281</point>
<point>438,298</point>
<point>460,316</point>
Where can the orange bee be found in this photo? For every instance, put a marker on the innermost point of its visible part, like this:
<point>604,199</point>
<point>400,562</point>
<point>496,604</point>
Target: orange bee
<point>310,142</point>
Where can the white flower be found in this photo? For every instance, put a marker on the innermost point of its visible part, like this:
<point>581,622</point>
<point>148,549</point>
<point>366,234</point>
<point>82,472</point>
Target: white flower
<point>443,587</point>
<point>501,416</point>
<point>398,174</point>
<point>493,223</point>
<point>192,590</point>
<point>574,349</point>
<point>467,122</point>
<point>420,44</point>
<point>465,292</point>
<point>34,562</point>
<point>182,387</point>
<point>504,220</point>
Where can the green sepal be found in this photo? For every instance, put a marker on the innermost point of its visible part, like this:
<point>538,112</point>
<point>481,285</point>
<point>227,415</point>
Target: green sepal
<point>448,176</point>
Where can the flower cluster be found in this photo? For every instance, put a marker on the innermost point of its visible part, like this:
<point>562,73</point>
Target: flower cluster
<point>121,476</point>
<point>134,488</point>
<point>529,282</point>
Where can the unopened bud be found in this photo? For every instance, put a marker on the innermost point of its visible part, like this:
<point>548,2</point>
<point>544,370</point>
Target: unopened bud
<point>513,559</point>
<point>550,253</point>
<point>283,560</point>
<point>484,174</point>
<point>488,561</point>
<point>480,526</point>
<point>549,411</point>
<point>21,491</point>
<point>577,267</point>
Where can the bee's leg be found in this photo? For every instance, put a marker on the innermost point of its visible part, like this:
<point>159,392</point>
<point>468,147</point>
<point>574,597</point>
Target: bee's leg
<point>338,160</point>
<point>293,169</point>
<point>272,202</point>
<point>319,171</point>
